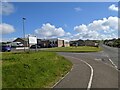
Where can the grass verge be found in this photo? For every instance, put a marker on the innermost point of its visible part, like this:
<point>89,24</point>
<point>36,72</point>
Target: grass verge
<point>75,49</point>
<point>33,70</point>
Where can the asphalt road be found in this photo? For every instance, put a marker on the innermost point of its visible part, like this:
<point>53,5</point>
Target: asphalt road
<point>112,53</point>
<point>105,75</point>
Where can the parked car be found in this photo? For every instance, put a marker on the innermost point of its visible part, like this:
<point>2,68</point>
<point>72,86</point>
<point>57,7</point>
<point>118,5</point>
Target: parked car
<point>6,48</point>
<point>34,46</point>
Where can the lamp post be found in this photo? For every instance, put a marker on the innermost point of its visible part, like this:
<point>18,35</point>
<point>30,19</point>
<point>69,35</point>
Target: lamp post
<point>24,31</point>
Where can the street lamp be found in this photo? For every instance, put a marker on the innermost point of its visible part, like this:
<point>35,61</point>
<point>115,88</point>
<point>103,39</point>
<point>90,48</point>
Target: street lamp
<point>24,31</point>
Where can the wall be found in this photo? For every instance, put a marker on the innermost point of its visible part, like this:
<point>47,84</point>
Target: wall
<point>60,43</point>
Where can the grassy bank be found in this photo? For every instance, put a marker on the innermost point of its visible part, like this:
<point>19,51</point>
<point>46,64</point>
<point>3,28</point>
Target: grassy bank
<point>32,70</point>
<point>75,49</point>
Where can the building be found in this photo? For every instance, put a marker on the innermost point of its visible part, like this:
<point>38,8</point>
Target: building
<point>77,43</point>
<point>45,43</point>
<point>90,43</point>
<point>55,42</point>
<point>66,43</point>
<point>23,41</point>
<point>84,43</point>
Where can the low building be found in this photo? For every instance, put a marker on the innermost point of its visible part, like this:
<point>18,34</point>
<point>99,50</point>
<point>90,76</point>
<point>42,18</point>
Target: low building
<point>45,43</point>
<point>90,43</point>
<point>83,43</point>
<point>24,41</point>
<point>55,42</point>
<point>66,43</point>
<point>73,43</point>
<point>77,43</point>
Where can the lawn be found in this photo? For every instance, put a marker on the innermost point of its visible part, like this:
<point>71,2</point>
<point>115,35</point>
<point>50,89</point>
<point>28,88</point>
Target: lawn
<point>0,71</point>
<point>33,69</point>
<point>75,49</point>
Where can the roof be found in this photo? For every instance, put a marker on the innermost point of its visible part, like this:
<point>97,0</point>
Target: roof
<point>26,39</point>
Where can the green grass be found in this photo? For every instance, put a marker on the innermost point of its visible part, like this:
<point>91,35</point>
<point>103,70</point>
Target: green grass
<point>33,70</point>
<point>75,49</point>
<point>0,71</point>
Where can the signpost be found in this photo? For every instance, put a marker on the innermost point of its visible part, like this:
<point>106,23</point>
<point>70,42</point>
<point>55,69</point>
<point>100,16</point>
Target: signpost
<point>24,31</point>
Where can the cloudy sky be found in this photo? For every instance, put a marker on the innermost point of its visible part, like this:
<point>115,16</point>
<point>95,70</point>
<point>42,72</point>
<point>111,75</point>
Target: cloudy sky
<point>83,20</point>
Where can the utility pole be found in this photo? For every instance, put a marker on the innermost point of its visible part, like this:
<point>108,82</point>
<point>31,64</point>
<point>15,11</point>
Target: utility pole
<point>24,31</point>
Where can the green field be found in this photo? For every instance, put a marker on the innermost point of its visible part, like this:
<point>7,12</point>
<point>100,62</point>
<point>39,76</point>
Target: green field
<point>0,71</point>
<point>32,69</point>
<point>75,49</point>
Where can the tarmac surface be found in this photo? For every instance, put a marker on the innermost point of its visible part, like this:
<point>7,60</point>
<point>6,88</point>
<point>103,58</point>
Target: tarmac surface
<point>105,75</point>
<point>112,53</point>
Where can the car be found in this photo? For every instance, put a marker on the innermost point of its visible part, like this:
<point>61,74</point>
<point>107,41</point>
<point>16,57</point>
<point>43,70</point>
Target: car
<point>6,48</point>
<point>34,46</point>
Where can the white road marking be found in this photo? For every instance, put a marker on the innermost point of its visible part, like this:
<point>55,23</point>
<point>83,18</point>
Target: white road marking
<point>91,76</point>
<point>112,62</point>
<point>61,78</point>
<point>111,66</point>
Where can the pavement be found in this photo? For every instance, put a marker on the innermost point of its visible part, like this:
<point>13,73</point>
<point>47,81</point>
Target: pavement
<point>105,75</point>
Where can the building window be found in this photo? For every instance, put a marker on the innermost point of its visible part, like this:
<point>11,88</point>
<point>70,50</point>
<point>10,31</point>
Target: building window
<point>56,42</point>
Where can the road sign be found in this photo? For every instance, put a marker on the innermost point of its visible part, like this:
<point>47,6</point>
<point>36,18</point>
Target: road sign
<point>32,40</point>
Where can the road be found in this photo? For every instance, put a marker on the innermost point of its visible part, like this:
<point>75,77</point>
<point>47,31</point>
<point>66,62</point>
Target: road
<point>112,53</point>
<point>90,70</point>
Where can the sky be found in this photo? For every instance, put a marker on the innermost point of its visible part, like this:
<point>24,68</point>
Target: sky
<point>66,20</point>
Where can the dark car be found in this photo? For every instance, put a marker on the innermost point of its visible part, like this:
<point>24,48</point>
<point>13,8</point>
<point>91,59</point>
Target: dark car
<point>34,46</point>
<point>6,48</point>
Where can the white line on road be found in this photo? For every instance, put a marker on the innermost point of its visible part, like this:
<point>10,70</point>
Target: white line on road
<point>91,76</point>
<point>61,78</point>
<point>112,62</point>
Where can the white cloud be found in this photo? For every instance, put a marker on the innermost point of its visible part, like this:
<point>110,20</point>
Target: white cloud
<point>113,7</point>
<point>68,34</point>
<point>81,28</point>
<point>48,30</point>
<point>77,9</point>
<point>7,8</point>
<point>6,28</point>
<point>98,29</point>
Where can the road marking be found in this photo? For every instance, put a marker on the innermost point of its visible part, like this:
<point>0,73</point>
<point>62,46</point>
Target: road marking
<point>61,78</point>
<point>112,63</point>
<point>91,76</point>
